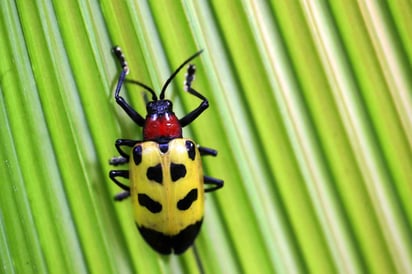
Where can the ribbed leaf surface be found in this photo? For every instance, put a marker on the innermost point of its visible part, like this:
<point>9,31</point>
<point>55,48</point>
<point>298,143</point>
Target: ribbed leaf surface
<point>310,110</point>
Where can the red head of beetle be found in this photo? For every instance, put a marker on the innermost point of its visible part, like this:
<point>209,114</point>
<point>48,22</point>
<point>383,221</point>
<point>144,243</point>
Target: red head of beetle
<point>161,123</point>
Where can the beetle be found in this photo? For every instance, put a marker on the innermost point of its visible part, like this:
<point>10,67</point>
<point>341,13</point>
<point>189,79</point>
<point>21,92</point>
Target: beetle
<point>165,169</point>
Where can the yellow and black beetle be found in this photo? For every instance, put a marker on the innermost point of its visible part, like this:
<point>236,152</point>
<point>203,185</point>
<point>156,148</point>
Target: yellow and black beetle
<point>165,169</point>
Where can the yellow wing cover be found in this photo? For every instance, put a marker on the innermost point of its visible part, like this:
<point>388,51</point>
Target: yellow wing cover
<point>167,193</point>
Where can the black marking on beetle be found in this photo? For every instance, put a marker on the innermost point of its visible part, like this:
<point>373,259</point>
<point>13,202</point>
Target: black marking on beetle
<point>188,200</point>
<point>177,171</point>
<point>164,147</point>
<point>191,151</point>
<point>137,154</point>
<point>154,173</point>
<point>165,244</point>
<point>149,203</point>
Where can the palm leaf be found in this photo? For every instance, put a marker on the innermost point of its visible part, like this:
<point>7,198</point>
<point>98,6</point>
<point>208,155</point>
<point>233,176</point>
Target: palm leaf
<point>310,109</point>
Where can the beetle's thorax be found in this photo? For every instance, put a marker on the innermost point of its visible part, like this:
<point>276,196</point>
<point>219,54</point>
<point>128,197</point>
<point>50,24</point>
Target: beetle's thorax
<point>161,123</point>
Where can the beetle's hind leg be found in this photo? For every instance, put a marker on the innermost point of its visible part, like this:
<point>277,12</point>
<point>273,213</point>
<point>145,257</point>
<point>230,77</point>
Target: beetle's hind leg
<point>122,159</point>
<point>121,196</point>
<point>217,183</point>
<point>113,174</point>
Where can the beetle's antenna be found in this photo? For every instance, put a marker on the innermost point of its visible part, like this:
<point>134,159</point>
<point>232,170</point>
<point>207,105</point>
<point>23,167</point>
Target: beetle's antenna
<point>154,96</point>
<point>162,93</point>
<point>125,70</point>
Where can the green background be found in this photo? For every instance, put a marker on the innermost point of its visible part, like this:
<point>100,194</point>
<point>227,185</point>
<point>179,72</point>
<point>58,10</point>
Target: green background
<point>310,110</point>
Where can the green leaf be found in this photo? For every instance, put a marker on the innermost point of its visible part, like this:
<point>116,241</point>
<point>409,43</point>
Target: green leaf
<point>310,110</point>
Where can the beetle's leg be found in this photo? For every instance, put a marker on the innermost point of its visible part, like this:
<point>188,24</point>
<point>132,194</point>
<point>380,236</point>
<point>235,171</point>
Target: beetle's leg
<point>121,196</point>
<point>124,174</point>
<point>124,143</point>
<point>119,160</point>
<point>212,181</point>
<point>206,179</point>
<point>119,173</point>
<point>136,117</point>
<point>190,76</point>
<point>207,151</point>
<point>124,158</point>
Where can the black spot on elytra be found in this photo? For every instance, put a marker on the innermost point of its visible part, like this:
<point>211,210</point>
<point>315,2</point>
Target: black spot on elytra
<point>177,171</point>
<point>165,244</point>
<point>137,154</point>
<point>149,203</point>
<point>188,200</point>
<point>154,173</point>
<point>191,151</point>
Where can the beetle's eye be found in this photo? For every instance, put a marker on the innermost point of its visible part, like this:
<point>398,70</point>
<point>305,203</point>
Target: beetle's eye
<point>169,105</point>
<point>150,107</point>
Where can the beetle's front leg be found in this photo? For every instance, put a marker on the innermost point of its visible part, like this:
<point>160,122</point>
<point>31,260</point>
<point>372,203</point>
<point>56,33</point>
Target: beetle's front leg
<point>190,76</point>
<point>136,117</point>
